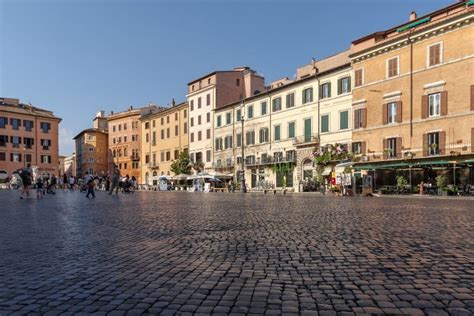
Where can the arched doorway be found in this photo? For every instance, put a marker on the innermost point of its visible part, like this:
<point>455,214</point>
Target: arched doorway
<point>155,178</point>
<point>307,169</point>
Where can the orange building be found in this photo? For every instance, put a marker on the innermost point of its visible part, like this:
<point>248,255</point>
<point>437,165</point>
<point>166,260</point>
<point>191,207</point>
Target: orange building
<point>124,140</point>
<point>413,97</point>
<point>28,134</point>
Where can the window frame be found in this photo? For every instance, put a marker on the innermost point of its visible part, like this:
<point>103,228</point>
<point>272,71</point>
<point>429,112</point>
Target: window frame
<point>428,56</point>
<point>387,67</point>
<point>362,73</point>
<point>392,119</point>
<point>340,121</point>
<point>438,105</point>
<point>328,115</point>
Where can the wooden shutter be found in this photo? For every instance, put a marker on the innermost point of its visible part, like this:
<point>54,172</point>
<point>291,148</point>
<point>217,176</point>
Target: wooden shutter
<point>329,89</point>
<point>384,113</point>
<point>425,145</point>
<point>442,143</point>
<point>364,118</point>
<point>399,147</point>
<point>339,86</point>
<point>472,139</point>
<point>363,146</point>
<point>399,111</point>
<point>444,103</point>
<point>384,149</point>
<point>472,98</point>
<point>356,119</point>
<point>424,106</point>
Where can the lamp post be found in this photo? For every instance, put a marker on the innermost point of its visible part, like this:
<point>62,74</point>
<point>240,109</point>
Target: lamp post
<point>243,187</point>
<point>24,156</point>
<point>409,155</point>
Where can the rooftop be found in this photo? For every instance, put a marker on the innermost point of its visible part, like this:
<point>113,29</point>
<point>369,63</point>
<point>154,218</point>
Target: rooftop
<point>15,106</point>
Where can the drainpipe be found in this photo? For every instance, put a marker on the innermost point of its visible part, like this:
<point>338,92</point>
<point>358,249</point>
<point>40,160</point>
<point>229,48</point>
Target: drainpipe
<point>411,90</point>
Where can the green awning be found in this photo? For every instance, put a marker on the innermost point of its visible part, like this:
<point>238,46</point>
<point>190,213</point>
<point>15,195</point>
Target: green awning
<point>469,3</point>
<point>386,165</point>
<point>411,25</point>
<point>432,163</point>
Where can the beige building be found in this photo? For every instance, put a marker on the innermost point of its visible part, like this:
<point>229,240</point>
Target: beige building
<point>413,98</point>
<point>92,148</point>
<point>28,135</point>
<point>125,139</point>
<point>285,124</point>
<point>70,165</point>
<point>164,136</point>
<point>209,93</point>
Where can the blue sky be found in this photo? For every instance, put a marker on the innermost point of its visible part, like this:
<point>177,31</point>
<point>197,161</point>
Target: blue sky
<point>78,57</point>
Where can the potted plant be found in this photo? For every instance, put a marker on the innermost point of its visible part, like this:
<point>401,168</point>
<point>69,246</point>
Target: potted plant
<point>401,183</point>
<point>441,184</point>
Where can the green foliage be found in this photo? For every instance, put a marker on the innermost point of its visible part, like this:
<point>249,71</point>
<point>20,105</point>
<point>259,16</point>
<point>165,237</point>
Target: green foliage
<point>181,165</point>
<point>441,181</point>
<point>401,181</point>
<point>283,167</point>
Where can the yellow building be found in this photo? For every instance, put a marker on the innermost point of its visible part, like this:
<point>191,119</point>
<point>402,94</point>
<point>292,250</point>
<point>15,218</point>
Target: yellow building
<point>164,134</point>
<point>413,97</point>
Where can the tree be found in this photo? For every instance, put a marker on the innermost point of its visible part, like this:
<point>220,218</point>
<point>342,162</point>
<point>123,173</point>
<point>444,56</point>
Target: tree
<point>181,165</point>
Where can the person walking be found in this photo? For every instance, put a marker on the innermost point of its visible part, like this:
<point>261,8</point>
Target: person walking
<point>115,181</point>
<point>39,188</point>
<point>90,188</point>
<point>26,179</point>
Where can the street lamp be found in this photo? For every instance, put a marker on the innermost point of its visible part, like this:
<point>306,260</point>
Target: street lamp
<point>243,187</point>
<point>24,156</point>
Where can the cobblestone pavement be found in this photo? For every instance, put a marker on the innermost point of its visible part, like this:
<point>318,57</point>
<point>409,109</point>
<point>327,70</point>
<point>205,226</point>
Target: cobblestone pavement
<point>195,253</point>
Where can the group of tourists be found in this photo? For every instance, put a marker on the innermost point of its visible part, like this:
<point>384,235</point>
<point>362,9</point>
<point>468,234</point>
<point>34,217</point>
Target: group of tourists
<point>42,185</point>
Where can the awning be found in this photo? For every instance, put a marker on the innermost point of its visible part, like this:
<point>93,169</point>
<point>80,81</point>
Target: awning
<point>327,171</point>
<point>386,165</point>
<point>340,168</point>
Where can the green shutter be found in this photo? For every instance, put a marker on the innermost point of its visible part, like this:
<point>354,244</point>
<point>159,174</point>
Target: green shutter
<point>344,120</point>
<point>324,123</point>
<point>307,129</point>
<point>277,132</point>
<point>291,130</point>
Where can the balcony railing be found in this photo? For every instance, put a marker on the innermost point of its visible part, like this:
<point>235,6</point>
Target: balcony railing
<point>270,160</point>
<point>135,157</point>
<point>223,165</point>
<point>306,140</point>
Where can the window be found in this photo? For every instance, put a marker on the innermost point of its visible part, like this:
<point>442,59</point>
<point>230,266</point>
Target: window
<point>325,123</point>
<point>16,141</point>
<point>15,157</point>
<point>91,159</point>
<point>185,128</point>
<point>391,112</point>
<point>237,82</point>
<point>290,100</point>
<point>358,77</point>
<point>45,159</point>
<point>15,123</point>
<point>228,118</point>
<point>176,154</point>
<point>218,143</point>
<point>192,137</point>
<point>168,156</point>
<point>192,121</point>
<point>28,142</point>
<point>344,85</point>
<point>325,90</point>
<point>147,158</point>
<point>162,156</point>
<point>28,125</point>
<point>191,107</point>
<point>3,140</point>
<point>3,156</point>
<point>185,113</point>
<point>3,122</point>
<point>434,54</point>
<point>162,134</point>
<point>208,99</point>
<point>433,144</point>
<point>344,120</point>
<point>208,117</point>
<point>238,115</point>
<point>250,111</point>
<point>357,148</point>
<point>125,126</point>
<point>434,104</point>
<point>176,116</point>
<point>91,149</point>
<point>291,130</point>
<point>263,108</point>
<point>277,132</point>
<point>219,121</point>
<point>228,142</point>
<point>176,130</point>
<point>147,126</point>
<point>307,95</point>
<point>208,155</point>
<point>120,127</point>
<point>391,147</point>
<point>199,119</point>
<point>392,67</point>
<point>263,135</point>
<point>167,119</point>
<point>208,133</point>
<point>199,102</point>
<point>250,138</point>
<point>276,104</point>
<point>238,139</point>
<point>358,118</point>
<point>199,136</point>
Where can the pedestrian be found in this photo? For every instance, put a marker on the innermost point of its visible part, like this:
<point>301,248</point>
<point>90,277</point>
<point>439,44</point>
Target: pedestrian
<point>115,181</point>
<point>71,183</point>
<point>26,179</point>
<point>39,188</point>
<point>90,188</point>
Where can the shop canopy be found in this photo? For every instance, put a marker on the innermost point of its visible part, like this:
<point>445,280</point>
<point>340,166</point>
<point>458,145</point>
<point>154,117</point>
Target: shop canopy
<point>385,165</point>
<point>422,163</point>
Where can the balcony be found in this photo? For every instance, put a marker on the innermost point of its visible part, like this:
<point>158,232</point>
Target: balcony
<point>223,165</point>
<point>134,157</point>
<point>306,140</point>
<point>152,165</point>
<point>262,161</point>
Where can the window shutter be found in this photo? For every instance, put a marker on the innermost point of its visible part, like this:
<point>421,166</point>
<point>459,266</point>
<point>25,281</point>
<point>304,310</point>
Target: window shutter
<point>363,147</point>
<point>364,118</point>
<point>424,106</point>
<point>384,113</point>
<point>399,147</point>
<point>444,103</point>
<point>425,144</point>
<point>399,111</point>
<point>329,89</point>
<point>385,148</point>
<point>442,143</point>
<point>472,98</point>
<point>320,92</point>
<point>356,119</point>
<point>339,86</point>
<point>11,156</point>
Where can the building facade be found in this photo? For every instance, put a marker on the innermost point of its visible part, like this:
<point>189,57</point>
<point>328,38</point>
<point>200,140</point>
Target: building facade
<point>28,135</point>
<point>413,95</point>
<point>92,154</point>
<point>209,93</point>
<point>70,165</point>
<point>284,125</point>
<point>125,139</point>
<point>165,136</point>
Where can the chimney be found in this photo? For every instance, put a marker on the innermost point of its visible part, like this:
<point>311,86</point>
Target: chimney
<point>173,102</point>
<point>412,16</point>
